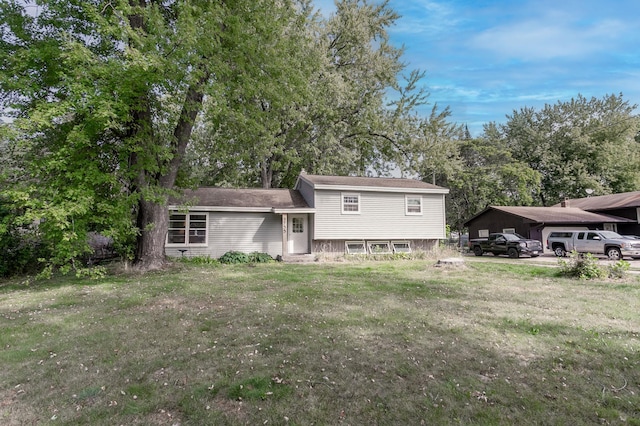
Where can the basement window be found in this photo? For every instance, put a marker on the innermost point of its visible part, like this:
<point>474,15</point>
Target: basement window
<point>355,247</point>
<point>379,247</point>
<point>401,246</point>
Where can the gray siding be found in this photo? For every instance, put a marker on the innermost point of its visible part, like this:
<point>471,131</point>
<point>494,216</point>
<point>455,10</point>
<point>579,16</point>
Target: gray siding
<point>245,232</point>
<point>306,190</point>
<point>382,216</point>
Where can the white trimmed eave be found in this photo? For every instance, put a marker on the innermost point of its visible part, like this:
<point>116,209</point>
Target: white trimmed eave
<point>221,209</point>
<point>293,210</point>
<point>355,188</point>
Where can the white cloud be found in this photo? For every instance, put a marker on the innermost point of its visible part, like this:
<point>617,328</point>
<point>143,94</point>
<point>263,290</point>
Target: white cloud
<point>549,37</point>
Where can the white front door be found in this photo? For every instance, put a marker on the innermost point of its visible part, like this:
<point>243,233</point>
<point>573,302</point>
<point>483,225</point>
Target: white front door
<point>298,236</point>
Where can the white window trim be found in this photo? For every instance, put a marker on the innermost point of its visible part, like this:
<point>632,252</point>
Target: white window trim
<point>406,205</point>
<point>349,194</point>
<point>187,221</point>
<point>483,233</point>
<point>370,245</point>
<point>360,243</point>
<point>403,250</point>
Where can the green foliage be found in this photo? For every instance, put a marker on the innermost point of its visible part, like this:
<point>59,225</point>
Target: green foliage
<point>583,266</point>
<point>257,257</point>
<point>232,257</point>
<point>619,269</point>
<point>575,145</point>
<point>198,260</point>
<point>20,245</point>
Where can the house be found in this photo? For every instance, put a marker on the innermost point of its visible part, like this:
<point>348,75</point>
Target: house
<point>537,222</point>
<point>625,205</point>
<point>333,215</point>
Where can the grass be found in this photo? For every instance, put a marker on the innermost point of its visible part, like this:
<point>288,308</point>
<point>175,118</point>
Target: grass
<point>388,342</point>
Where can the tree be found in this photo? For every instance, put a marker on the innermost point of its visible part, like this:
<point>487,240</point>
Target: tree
<point>337,123</point>
<point>579,144</point>
<point>104,98</point>
<point>487,174</point>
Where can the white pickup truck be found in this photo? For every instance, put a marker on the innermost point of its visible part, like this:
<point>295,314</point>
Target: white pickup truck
<point>609,243</point>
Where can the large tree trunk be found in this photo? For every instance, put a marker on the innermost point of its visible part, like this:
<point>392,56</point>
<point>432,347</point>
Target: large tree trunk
<point>153,216</point>
<point>152,222</point>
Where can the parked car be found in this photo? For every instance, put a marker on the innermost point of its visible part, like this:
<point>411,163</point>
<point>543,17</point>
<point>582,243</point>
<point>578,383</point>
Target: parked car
<point>630,237</point>
<point>609,243</point>
<point>513,245</point>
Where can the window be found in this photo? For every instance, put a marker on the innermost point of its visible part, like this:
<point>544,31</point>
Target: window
<point>379,247</point>
<point>413,204</point>
<point>401,246</point>
<point>187,229</point>
<point>297,225</point>
<point>509,230</point>
<point>483,233</point>
<point>355,247</point>
<point>351,203</point>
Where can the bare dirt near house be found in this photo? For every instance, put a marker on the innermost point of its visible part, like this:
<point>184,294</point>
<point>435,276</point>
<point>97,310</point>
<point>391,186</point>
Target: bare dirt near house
<point>358,343</point>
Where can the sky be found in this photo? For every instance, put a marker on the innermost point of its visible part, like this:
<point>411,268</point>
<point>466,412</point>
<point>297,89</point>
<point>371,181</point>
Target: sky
<point>486,59</point>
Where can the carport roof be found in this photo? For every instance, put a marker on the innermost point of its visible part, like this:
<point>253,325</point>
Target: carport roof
<point>559,215</point>
<point>606,202</point>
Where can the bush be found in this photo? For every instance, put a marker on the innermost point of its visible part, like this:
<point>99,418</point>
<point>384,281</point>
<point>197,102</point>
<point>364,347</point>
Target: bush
<point>619,269</point>
<point>21,250</point>
<point>257,257</point>
<point>583,266</point>
<point>232,257</point>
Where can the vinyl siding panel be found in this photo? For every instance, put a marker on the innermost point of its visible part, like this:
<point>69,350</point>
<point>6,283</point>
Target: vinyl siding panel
<point>382,216</point>
<point>245,232</point>
<point>306,190</point>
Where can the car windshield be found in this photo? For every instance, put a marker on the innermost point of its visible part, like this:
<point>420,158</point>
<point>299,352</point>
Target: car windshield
<point>610,235</point>
<point>513,237</point>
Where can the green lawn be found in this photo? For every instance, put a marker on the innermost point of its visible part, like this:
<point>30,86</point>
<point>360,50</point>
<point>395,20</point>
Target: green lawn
<point>366,343</point>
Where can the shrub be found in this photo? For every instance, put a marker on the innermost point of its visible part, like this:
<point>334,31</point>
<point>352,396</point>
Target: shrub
<point>257,257</point>
<point>583,266</point>
<point>619,269</point>
<point>231,257</point>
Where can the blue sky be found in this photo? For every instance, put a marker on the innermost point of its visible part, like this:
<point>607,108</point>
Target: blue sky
<point>487,58</point>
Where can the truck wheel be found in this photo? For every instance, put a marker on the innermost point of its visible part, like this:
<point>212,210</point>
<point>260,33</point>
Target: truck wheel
<point>477,250</point>
<point>613,253</point>
<point>559,251</point>
<point>513,253</point>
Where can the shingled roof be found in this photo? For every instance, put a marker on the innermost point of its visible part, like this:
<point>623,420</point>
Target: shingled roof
<point>606,202</point>
<point>242,198</point>
<point>370,182</point>
<point>557,215</point>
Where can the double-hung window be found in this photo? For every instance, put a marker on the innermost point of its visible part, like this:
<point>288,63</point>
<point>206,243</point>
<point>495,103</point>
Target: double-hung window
<point>413,205</point>
<point>350,203</point>
<point>187,229</point>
